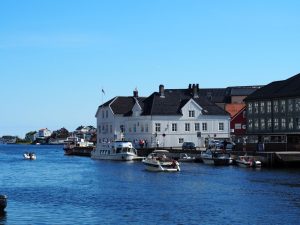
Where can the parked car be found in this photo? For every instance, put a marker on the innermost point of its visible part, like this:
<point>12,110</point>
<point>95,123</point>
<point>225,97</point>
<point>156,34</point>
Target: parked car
<point>229,146</point>
<point>188,145</point>
<point>214,144</point>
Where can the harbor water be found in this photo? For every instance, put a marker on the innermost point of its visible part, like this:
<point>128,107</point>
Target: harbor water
<point>59,189</point>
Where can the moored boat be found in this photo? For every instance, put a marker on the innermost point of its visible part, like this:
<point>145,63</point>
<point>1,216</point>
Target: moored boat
<point>183,157</point>
<point>76,146</point>
<point>216,158</point>
<point>118,150</point>
<point>158,161</point>
<point>248,161</point>
<point>3,202</point>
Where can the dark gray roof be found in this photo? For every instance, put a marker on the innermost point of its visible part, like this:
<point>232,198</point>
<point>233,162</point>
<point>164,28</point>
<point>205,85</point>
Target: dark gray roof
<point>278,89</point>
<point>123,104</point>
<point>216,95</point>
<point>174,100</point>
<point>243,91</point>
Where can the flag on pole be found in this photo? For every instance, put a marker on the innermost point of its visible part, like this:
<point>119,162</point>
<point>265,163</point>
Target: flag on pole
<point>103,91</point>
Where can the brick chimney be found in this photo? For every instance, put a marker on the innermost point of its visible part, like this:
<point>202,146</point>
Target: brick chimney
<point>195,90</point>
<point>162,91</point>
<point>135,93</point>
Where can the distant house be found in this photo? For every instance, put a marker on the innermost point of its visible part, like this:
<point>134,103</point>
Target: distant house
<point>168,118</point>
<point>273,113</point>
<point>7,139</point>
<point>44,133</point>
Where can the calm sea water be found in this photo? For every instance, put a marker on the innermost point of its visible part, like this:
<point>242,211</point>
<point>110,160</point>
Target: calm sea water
<point>58,189</point>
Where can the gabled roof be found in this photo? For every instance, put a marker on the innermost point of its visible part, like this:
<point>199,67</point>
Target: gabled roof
<point>174,100</point>
<point>278,89</point>
<point>123,104</point>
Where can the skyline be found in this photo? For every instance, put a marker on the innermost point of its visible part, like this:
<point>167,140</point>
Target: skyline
<point>56,57</point>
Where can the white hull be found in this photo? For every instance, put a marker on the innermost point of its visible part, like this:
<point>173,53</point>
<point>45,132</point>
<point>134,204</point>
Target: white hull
<point>246,164</point>
<point>158,167</point>
<point>117,157</point>
<point>208,161</point>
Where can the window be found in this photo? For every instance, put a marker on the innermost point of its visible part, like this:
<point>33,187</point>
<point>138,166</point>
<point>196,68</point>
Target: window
<point>291,123</point>
<point>191,113</point>
<point>142,127</point>
<point>111,129</point>
<point>221,126</point>
<point>256,124</point>
<point>99,129</point>
<point>297,105</point>
<point>275,106</point>
<point>174,127</point>
<point>269,123</point>
<point>146,128</point>
<point>283,123</point>
<point>157,127</point>
<point>276,124</point>
<point>134,127</point>
<point>282,106</point>
<point>197,127</point>
<point>106,113</point>
<point>290,105</point>
<point>256,107</point>
<point>250,108</point>
<point>297,123</point>
<point>250,125</point>
<point>180,140</point>
<point>187,127</point>
<point>262,107</point>
<point>122,128</point>
<point>262,124</point>
<point>269,106</point>
<point>204,126</point>
<point>102,114</point>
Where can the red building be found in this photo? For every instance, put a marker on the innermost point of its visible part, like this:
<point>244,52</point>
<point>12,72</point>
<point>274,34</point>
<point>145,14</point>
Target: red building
<point>238,123</point>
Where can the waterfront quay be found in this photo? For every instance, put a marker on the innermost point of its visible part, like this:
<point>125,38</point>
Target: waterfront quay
<point>268,159</point>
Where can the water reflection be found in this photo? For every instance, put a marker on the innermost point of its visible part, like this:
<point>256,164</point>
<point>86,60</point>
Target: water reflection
<point>2,216</point>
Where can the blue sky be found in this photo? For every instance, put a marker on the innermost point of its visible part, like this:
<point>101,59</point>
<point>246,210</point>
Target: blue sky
<point>56,56</point>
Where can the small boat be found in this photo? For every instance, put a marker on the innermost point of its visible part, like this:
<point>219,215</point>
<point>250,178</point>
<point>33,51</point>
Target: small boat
<point>207,157</point>
<point>248,161</point>
<point>29,155</point>
<point>216,158</point>
<point>3,202</point>
<point>183,157</point>
<point>118,150</point>
<point>158,161</point>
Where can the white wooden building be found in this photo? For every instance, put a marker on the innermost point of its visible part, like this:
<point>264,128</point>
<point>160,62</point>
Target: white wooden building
<point>168,117</point>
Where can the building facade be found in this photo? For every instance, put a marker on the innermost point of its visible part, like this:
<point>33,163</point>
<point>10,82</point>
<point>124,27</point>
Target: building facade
<point>273,113</point>
<point>166,118</point>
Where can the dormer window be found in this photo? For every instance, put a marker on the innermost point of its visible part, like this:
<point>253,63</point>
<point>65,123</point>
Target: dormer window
<point>191,113</point>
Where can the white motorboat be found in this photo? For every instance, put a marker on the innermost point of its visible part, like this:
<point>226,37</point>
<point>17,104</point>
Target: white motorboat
<point>118,150</point>
<point>158,161</point>
<point>29,155</point>
<point>248,161</point>
<point>207,157</point>
<point>216,158</point>
<point>183,157</point>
